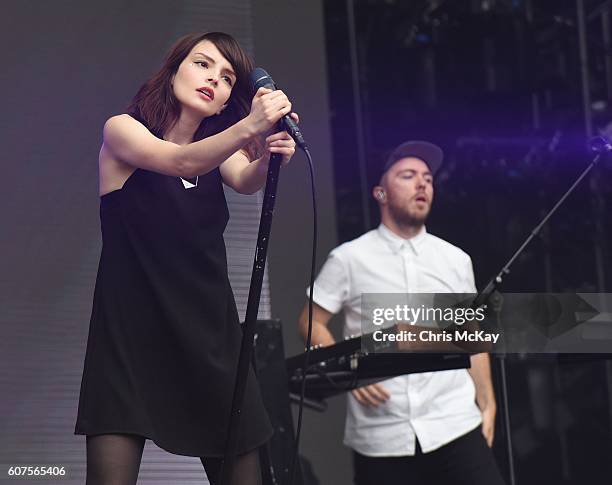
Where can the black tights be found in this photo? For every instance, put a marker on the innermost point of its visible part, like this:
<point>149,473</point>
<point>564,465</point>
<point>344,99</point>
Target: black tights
<point>114,459</point>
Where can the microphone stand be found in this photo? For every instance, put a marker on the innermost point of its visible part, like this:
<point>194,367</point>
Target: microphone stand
<point>599,145</point>
<point>248,328</point>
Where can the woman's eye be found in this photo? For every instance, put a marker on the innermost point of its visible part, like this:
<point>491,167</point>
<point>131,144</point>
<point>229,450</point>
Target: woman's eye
<point>228,80</point>
<point>202,63</point>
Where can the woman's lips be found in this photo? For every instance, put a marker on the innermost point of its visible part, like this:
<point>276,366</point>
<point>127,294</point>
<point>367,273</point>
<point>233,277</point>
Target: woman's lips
<point>207,93</point>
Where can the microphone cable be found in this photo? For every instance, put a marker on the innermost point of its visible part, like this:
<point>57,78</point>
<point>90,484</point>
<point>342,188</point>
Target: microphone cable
<point>313,261</point>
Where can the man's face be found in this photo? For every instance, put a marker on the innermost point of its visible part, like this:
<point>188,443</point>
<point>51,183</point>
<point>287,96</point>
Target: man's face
<point>408,187</point>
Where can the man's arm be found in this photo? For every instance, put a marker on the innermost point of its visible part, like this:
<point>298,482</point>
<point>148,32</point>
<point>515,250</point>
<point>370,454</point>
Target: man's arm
<point>481,372</point>
<point>372,395</point>
<point>485,397</point>
<point>320,318</point>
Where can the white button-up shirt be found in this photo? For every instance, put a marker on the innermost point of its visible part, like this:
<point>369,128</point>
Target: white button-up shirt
<point>437,407</point>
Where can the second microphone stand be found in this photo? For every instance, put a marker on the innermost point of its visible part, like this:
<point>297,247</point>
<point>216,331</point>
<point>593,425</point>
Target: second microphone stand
<point>486,296</point>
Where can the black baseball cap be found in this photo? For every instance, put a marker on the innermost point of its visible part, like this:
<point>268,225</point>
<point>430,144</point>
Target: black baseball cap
<point>431,154</point>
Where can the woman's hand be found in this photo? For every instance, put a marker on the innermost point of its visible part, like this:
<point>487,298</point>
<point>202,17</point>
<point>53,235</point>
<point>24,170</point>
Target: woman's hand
<point>267,108</point>
<point>281,143</point>
<point>247,177</point>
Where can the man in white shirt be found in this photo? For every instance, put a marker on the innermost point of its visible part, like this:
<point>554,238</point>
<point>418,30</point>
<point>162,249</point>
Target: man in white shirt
<point>434,427</point>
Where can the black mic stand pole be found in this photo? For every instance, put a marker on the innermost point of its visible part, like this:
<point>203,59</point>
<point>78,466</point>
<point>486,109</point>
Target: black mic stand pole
<point>597,145</point>
<point>248,328</point>
<point>483,297</point>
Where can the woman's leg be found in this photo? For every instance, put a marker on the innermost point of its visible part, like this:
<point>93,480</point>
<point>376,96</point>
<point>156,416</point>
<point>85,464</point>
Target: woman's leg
<point>113,459</point>
<point>246,469</point>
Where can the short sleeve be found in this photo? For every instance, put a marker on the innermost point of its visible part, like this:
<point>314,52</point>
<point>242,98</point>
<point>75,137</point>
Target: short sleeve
<point>331,288</point>
<point>468,276</point>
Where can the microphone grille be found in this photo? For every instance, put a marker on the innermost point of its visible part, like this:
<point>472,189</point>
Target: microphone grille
<point>260,78</point>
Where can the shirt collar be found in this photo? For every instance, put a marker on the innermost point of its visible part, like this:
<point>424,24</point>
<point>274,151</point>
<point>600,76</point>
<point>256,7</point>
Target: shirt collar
<point>397,243</point>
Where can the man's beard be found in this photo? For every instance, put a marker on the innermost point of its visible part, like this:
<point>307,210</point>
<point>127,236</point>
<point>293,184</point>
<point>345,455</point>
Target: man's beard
<point>404,217</point>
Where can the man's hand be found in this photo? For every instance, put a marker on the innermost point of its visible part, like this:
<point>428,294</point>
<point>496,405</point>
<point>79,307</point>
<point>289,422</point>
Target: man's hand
<point>371,395</point>
<point>488,424</point>
<point>480,371</point>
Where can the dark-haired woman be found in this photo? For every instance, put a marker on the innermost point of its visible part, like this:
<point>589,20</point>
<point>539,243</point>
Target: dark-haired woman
<point>164,334</point>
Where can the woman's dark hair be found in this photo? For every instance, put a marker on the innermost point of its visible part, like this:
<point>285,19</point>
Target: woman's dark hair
<point>157,108</point>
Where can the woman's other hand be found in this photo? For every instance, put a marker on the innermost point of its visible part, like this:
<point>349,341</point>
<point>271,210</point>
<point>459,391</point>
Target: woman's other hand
<point>281,143</point>
<point>267,108</point>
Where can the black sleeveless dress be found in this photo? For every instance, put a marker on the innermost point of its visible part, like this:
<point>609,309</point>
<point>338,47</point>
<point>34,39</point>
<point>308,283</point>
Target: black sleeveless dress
<point>164,335</point>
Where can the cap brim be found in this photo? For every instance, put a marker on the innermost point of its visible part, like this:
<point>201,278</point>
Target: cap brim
<point>431,154</point>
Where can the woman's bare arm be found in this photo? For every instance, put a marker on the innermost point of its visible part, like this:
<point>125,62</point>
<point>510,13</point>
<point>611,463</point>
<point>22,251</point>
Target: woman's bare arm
<point>131,142</point>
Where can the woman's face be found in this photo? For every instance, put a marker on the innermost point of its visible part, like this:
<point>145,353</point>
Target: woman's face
<point>204,80</point>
